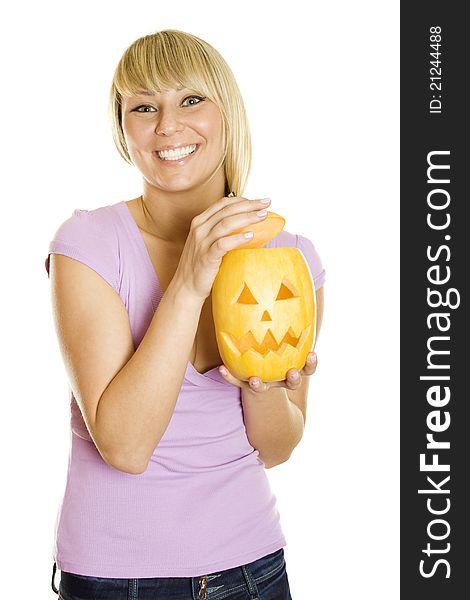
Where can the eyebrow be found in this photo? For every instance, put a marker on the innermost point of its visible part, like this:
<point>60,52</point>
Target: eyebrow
<point>147,93</point>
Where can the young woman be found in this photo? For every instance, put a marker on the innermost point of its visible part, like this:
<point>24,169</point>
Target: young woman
<point>167,495</point>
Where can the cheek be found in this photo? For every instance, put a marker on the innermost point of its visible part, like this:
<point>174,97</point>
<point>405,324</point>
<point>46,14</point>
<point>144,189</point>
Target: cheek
<point>135,131</point>
<point>210,125</point>
<point>129,134</point>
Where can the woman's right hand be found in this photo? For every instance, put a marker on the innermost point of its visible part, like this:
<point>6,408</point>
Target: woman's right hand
<point>209,240</point>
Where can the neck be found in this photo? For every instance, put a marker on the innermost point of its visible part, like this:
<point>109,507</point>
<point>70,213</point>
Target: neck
<point>168,214</point>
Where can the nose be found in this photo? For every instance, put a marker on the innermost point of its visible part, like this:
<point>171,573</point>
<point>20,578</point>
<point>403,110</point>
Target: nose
<point>168,122</point>
<point>266,316</point>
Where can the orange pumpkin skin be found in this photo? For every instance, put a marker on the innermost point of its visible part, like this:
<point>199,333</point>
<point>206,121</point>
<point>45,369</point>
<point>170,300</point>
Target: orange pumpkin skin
<point>263,231</point>
<point>264,310</point>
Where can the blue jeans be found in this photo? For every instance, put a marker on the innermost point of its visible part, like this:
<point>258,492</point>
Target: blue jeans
<point>262,579</point>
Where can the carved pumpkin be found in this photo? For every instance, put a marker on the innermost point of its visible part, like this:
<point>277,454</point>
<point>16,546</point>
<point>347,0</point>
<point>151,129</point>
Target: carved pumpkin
<point>263,305</point>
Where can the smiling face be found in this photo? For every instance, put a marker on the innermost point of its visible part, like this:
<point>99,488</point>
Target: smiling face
<point>264,306</point>
<point>171,119</point>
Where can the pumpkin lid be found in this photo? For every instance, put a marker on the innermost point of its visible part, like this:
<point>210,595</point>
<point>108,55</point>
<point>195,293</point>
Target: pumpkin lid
<point>264,231</point>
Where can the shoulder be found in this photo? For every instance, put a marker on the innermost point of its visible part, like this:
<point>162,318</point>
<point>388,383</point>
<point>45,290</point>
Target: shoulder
<point>286,239</point>
<point>101,218</point>
<point>95,229</point>
<point>90,236</point>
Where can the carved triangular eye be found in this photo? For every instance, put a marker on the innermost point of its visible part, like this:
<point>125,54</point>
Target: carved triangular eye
<point>246,297</point>
<point>284,293</point>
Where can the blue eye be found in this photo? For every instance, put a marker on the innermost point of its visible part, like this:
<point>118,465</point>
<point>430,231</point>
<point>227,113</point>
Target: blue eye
<point>143,106</point>
<point>198,98</point>
<point>139,107</point>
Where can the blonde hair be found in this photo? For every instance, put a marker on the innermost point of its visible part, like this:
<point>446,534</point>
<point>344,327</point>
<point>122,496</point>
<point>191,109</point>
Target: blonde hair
<point>157,61</point>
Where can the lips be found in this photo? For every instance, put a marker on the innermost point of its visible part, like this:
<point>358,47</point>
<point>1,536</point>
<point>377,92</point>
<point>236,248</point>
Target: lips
<point>179,159</point>
<point>176,147</point>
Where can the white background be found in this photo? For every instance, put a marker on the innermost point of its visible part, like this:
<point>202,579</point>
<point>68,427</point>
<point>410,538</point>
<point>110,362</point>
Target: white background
<point>322,94</point>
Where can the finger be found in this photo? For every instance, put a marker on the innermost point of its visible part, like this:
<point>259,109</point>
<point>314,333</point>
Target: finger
<point>228,227</point>
<point>221,232</point>
<point>230,378</point>
<point>277,384</point>
<point>238,205</point>
<point>257,385</point>
<point>233,218</point>
<point>220,247</point>
<point>293,379</point>
<point>226,207</point>
<point>211,210</point>
<point>311,364</point>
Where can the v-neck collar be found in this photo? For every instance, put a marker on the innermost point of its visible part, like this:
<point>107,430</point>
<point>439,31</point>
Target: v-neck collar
<point>157,291</point>
<point>192,374</point>
<point>197,378</point>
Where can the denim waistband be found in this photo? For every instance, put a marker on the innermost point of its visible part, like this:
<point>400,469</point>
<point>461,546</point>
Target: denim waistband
<point>268,571</point>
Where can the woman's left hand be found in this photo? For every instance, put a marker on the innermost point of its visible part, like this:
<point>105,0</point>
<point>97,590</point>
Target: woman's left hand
<point>292,381</point>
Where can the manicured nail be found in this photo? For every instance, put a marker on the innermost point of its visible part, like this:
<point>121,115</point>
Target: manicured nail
<point>223,371</point>
<point>265,200</point>
<point>295,376</point>
<point>312,359</point>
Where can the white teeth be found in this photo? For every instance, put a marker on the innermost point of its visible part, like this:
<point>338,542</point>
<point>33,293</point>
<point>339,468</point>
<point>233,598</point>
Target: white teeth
<point>177,153</point>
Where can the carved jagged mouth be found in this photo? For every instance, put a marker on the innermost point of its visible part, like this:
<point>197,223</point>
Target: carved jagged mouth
<point>269,343</point>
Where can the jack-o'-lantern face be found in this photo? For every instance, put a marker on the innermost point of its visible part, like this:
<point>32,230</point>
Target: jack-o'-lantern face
<point>263,304</point>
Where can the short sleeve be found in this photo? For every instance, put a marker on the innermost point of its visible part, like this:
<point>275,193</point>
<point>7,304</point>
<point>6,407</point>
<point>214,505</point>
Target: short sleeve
<point>313,259</point>
<point>87,236</point>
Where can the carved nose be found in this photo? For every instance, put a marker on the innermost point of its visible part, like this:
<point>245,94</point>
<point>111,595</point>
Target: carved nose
<point>266,316</point>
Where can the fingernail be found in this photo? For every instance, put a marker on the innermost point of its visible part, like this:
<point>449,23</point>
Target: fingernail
<point>265,200</point>
<point>295,376</point>
<point>255,383</point>
<point>312,359</point>
<point>223,370</point>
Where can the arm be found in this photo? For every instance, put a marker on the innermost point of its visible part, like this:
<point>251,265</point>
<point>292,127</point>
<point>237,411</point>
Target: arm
<point>275,419</point>
<point>135,409</point>
<point>126,397</point>
<point>274,424</point>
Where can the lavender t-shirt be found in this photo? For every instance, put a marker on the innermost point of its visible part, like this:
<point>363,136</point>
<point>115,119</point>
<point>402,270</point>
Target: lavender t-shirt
<point>204,503</point>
